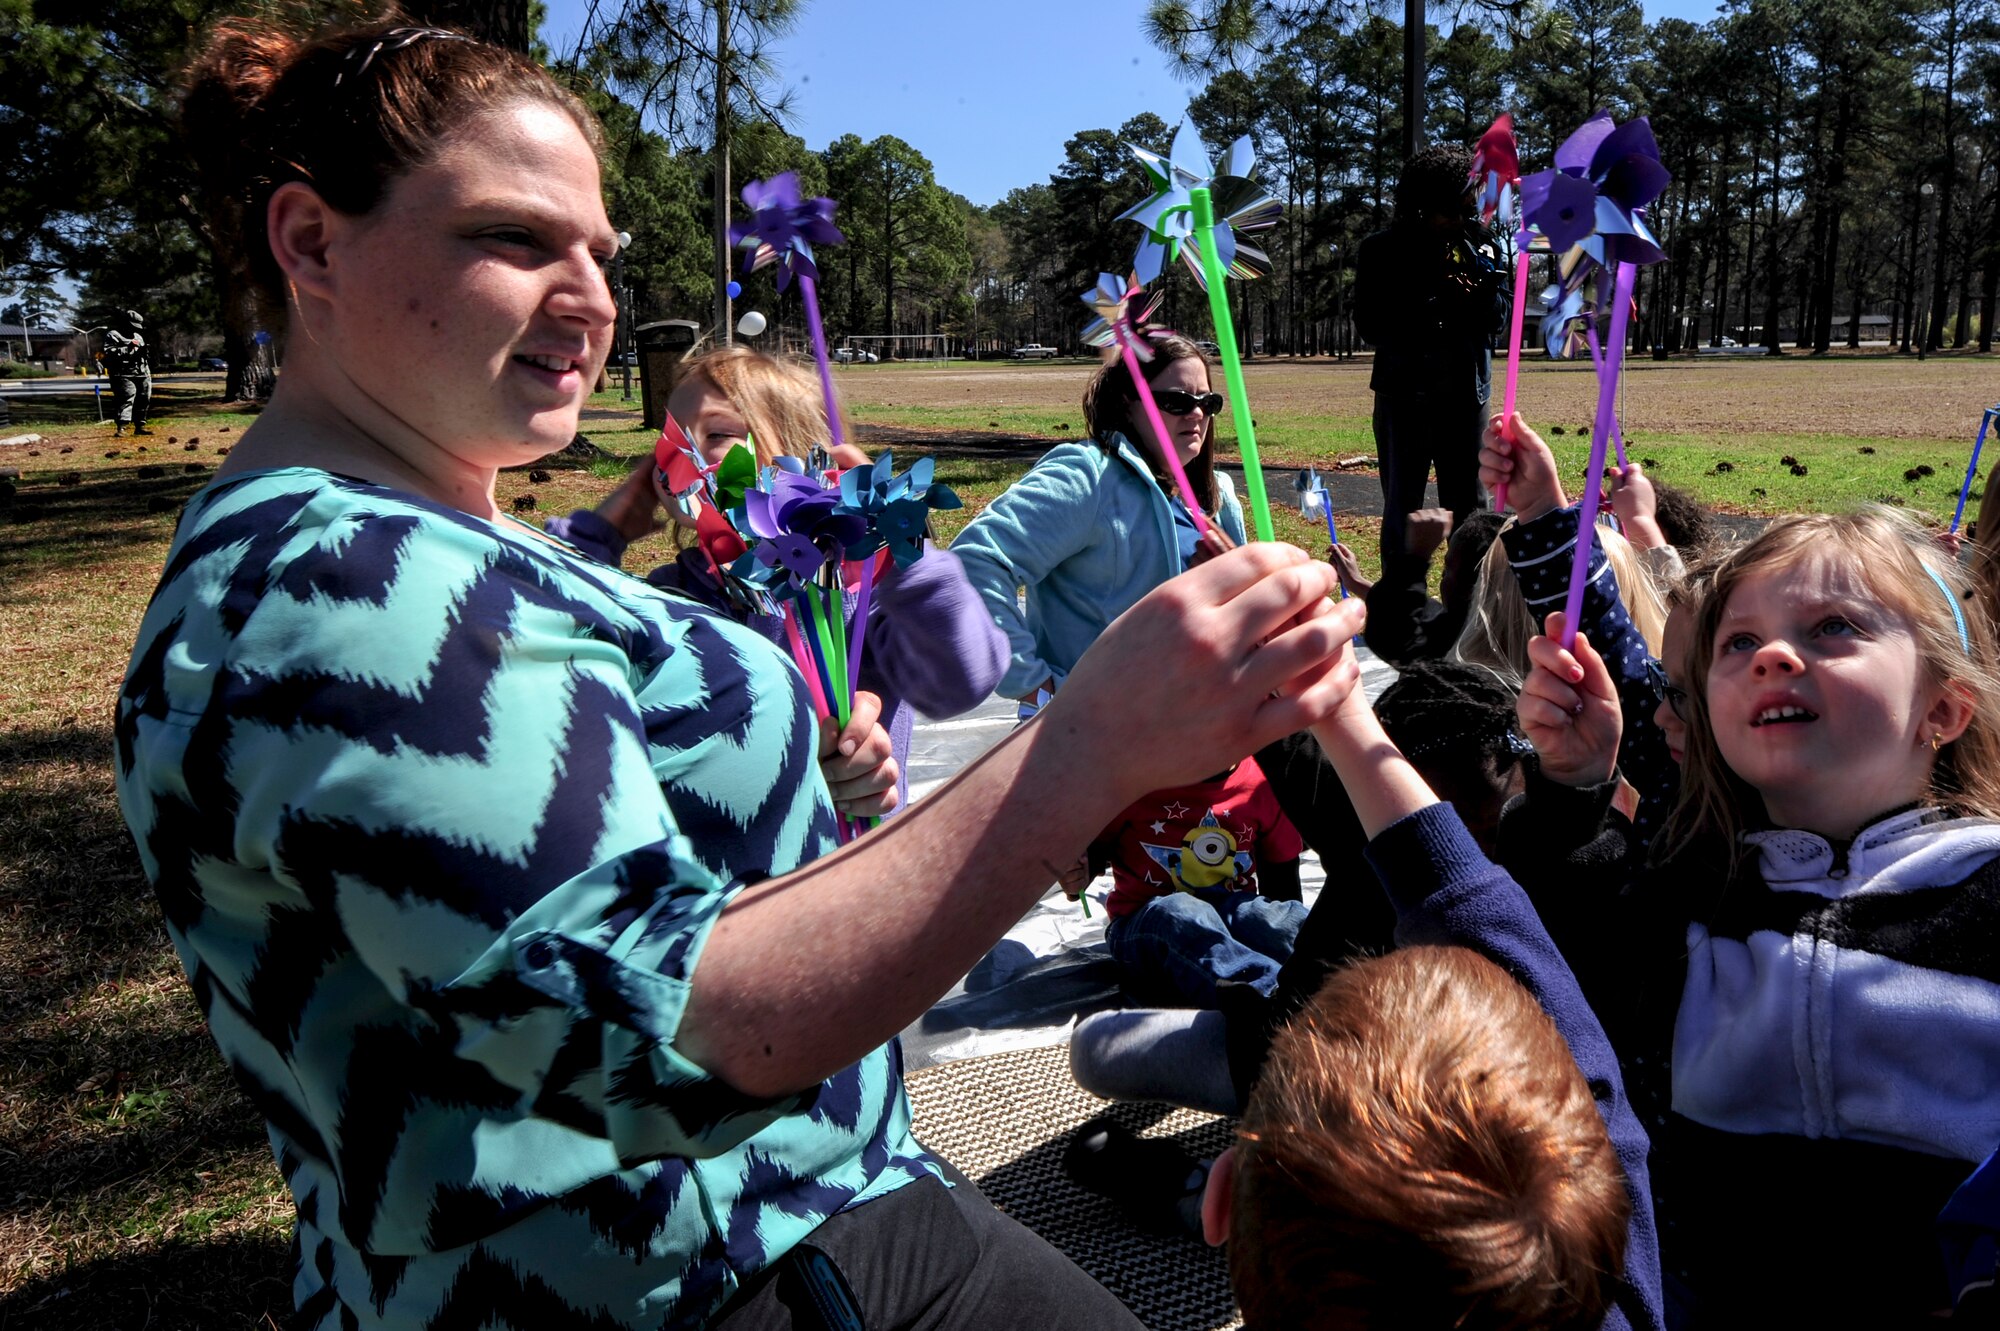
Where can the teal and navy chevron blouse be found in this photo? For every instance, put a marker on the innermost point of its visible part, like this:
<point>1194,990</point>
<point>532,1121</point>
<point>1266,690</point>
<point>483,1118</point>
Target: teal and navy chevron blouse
<point>440,815</point>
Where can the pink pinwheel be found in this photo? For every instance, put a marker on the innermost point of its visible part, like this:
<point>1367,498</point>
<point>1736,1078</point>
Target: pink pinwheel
<point>1596,194</point>
<point>1113,327</point>
<point>783,228</point>
<point>1117,324</point>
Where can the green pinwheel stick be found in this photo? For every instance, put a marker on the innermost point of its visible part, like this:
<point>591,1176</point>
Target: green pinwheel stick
<point>1232,360</point>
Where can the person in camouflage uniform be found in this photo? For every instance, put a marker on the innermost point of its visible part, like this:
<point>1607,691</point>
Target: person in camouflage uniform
<point>131,373</point>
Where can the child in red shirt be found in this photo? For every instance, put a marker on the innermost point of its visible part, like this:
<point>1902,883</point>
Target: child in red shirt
<point>1186,912</point>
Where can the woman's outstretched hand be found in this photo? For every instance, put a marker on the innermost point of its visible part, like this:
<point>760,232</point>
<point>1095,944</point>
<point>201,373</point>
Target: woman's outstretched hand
<point>1211,666</point>
<point>1568,709</point>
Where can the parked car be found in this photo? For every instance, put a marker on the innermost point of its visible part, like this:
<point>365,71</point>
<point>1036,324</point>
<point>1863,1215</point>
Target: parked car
<point>1034,351</point>
<point>855,356</point>
<point>211,363</point>
<point>1208,348</point>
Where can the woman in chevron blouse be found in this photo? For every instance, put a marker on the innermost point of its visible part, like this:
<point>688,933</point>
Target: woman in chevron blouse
<point>506,882</point>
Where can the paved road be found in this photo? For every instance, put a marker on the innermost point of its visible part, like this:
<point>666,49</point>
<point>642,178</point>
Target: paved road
<point>62,384</point>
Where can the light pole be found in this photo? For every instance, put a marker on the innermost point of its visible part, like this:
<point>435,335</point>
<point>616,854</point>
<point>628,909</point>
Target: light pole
<point>1923,278</point>
<point>1334,250</point>
<point>624,313</point>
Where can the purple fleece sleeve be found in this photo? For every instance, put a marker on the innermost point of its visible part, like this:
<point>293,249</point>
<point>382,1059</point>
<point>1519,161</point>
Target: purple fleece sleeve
<point>590,534</point>
<point>930,639</point>
<point>1447,892</point>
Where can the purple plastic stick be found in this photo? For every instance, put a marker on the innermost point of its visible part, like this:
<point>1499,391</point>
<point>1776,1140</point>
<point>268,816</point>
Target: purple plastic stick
<point>1617,426</point>
<point>861,623</point>
<point>1593,482</point>
<point>1972,467</point>
<point>1160,433</point>
<point>810,289</point>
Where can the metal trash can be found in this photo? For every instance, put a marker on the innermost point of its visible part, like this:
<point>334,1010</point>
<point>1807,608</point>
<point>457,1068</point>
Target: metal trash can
<point>663,347</point>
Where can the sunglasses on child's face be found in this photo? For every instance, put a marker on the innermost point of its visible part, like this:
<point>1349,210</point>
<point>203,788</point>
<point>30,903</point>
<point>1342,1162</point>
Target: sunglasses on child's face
<point>1675,698</point>
<point>1179,402</point>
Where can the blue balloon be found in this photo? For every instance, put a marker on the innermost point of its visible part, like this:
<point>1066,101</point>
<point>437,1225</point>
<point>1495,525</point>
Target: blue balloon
<point>735,290</point>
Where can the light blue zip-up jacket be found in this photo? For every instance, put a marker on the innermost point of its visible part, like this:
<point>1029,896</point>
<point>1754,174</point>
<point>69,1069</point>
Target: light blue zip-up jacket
<point>1087,533</point>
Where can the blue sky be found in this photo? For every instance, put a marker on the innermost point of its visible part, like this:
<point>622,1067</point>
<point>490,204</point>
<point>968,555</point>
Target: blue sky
<point>988,91</point>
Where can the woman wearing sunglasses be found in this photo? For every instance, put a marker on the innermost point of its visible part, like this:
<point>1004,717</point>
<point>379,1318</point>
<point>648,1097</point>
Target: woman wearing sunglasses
<point>1098,523</point>
<point>1093,527</point>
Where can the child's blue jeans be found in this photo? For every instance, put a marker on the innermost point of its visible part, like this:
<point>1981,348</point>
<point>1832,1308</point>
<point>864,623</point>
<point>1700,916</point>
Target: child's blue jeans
<point>1177,948</point>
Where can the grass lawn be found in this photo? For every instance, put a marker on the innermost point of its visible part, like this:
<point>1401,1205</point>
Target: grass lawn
<point>139,1188</point>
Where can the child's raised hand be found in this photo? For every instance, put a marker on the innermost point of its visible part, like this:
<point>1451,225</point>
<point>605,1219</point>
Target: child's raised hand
<point>1213,542</point>
<point>1342,557</point>
<point>858,760</point>
<point>1513,455</point>
<point>1635,503</point>
<point>1568,709</point>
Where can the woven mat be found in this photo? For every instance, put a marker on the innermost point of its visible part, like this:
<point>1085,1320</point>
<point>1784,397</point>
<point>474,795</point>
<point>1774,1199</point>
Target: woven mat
<point>1004,1119</point>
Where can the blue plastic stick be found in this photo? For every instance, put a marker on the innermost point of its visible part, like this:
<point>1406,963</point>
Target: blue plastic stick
<point>1972,467</point>
<point>1332,536</point>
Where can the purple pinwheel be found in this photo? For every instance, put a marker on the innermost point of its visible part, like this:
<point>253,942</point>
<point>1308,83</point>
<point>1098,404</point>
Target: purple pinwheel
<point>798,526</point>
<point>783,228</point>
<point>1596,194</point>
<point>1116,325</point>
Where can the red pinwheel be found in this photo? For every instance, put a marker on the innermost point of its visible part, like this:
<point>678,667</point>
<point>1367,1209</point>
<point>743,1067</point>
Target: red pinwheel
<point>1496,166</point>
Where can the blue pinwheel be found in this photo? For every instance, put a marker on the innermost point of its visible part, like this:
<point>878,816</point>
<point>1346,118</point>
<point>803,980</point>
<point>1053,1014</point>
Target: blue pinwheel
<point>783,228</point>
<point>1595,196</point>
<point>895,509</point>
<point>1241,205</point>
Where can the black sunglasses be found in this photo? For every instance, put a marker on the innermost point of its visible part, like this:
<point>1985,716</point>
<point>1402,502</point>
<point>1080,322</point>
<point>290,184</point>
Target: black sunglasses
<point>1675,698</point>
<point>1179,402</point>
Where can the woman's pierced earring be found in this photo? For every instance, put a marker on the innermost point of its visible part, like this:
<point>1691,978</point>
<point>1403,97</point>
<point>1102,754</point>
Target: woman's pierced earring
<point>1937,741</point>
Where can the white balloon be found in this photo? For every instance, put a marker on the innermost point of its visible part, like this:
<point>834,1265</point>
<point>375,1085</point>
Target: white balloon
<point>750,324</point>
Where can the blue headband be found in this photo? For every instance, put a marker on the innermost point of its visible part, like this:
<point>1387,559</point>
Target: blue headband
<point>1950,599</point>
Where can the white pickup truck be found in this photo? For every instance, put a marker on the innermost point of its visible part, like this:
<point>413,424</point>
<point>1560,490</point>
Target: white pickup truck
<point>1034,351</point>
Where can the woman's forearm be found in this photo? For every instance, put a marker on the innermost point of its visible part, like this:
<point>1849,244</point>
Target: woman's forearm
<point>913,904</point>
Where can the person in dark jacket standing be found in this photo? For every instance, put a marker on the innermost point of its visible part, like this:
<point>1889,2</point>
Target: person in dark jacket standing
<point>1429,295</point>
<point>126,357</point>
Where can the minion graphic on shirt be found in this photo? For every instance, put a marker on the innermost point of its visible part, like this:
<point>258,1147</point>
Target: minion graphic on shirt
<point>1206,860</point>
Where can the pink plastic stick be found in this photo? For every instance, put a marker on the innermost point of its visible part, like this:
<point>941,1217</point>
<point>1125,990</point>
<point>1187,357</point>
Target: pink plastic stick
<point>810,290</point>
<point>1513,348</point>
<point>1600,434</point>
<point>804,660</point>
<point>1167,449</point>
